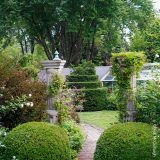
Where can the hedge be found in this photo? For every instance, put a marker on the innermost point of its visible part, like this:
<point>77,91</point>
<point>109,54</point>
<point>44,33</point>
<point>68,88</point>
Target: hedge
<point>127,141</point>
<point>95,99</point>
<point>37,141</point>
<point>81,78</point>
<point>89,85</point>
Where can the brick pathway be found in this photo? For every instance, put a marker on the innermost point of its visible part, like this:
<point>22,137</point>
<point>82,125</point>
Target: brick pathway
<point>92,135</point>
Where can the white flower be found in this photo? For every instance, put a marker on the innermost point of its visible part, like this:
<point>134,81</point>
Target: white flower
<point>2,87</point>
<point>30,95</point>
<point>14,158</point>
<point>31,104</point>
<point>27,104</point>
<point>2,145</point>
<point>82,6</point>
<point>22,105</point>
<point>4,134</point>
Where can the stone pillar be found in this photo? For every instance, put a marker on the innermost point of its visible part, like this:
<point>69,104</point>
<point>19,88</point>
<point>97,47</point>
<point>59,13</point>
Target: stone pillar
<point>131,106</point>
<point>51,67</point>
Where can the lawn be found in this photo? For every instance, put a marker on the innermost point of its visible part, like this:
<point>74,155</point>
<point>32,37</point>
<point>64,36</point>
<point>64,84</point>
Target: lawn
<point>101,119</point>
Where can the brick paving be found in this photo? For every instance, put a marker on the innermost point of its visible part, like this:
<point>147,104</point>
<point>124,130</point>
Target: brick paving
<point>92,135</point>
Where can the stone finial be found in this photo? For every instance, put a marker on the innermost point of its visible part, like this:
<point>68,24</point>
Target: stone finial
<point>56,56</point>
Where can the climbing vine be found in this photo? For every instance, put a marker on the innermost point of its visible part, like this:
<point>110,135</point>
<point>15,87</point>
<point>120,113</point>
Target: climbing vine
<point>124,66</point>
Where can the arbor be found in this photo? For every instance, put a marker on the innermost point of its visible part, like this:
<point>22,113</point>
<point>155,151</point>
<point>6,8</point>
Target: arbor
<point>71,26</point>
<point>125,66</point>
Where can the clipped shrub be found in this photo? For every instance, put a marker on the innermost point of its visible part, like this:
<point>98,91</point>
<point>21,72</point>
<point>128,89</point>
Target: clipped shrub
<point>81,78</point>
<point>38,141</point>
<point>85,79</point>
<point>86,68</point>
<point>127,141</point>
<point>96,84</point>
<point>76,137</point>
<point>95,99</point>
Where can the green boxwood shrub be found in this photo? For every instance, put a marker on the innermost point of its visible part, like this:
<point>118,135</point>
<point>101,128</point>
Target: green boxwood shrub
<point>96,84</point>
<point>37,141</point>
<point>95,99</point>
<point>81,78</point>
<point>85,68</point>
<point>127,141</point>
<point>85,79</point>
<point>76,137</point>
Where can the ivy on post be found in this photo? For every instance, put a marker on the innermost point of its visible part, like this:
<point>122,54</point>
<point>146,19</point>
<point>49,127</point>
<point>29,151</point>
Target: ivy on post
<point>125,67</point>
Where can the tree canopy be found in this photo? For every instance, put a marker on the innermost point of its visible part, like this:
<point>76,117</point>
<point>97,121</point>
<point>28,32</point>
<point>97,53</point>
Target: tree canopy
<point>74,27</point>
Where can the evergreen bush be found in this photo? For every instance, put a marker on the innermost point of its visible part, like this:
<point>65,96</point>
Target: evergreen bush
<point>82,78</point>
<point>79,85</point>
<point>95,99</point>
<point>37,141</point>
<point>85,79</point>
<point>127,141</point>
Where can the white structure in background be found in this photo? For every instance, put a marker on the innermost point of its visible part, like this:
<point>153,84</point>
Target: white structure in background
<point>150,71</point>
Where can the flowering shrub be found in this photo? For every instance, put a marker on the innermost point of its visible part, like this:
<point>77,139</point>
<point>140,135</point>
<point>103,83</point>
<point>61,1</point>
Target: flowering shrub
<point>3,133</point>
<point>67,102</point>
<point>15,85</point>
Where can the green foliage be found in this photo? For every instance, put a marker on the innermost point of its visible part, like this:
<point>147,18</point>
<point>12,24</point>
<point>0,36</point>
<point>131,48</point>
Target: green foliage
<point>32,62</point>
<point>37,140</point>
<point>81,78</point>
<point>14,83</point>
<point>127,141</point>
<point>95,99</point>
<point>76,137</point>
<point>67,102</point>
<point>138,42</point>
<point>9,55</point>
<point>3,133</point>
<point>56,84</point>
<point>95,95</point>
<point>111,100</point>
<point>148,103</point>
<point>86,68</point>
<point>75,24</point>
<point>152,38</point>
<point>87,85</point>
<point>124,66</point>
<point>12,105</point>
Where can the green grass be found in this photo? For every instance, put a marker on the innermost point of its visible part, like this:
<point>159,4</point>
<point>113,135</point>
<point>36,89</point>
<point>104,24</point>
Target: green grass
<point>101,119</point>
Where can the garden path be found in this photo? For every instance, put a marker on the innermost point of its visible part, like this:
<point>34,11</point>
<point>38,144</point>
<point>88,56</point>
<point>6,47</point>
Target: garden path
<point>92,135</point>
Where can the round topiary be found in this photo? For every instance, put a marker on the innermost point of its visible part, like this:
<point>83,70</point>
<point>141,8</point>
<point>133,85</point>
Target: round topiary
<point>37,141</point>
<point>127,141</point>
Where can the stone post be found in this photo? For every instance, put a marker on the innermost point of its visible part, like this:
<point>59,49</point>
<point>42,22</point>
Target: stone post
<point>131,106</point>
<point>51,67</point>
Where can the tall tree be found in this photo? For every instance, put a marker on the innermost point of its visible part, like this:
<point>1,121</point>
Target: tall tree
<point>71,26</point>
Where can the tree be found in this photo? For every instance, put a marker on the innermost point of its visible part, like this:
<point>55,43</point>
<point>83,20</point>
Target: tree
<point>152,38</point>
<point>71,26</point>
